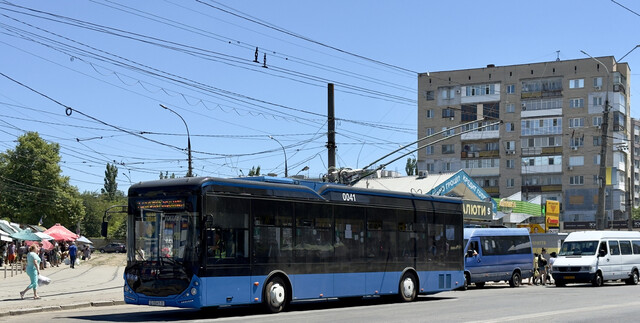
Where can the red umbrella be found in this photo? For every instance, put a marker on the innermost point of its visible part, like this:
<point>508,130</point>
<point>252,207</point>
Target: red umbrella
<point>46,245</point>
<point>60,233</point>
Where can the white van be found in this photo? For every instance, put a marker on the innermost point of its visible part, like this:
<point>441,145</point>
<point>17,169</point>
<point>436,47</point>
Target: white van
<point>598,256</point>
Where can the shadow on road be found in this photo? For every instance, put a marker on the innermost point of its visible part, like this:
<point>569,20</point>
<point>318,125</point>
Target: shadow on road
<point>169,315</point>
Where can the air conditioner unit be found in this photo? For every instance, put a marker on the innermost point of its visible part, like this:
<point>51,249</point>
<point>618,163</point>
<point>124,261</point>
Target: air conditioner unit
<point>597,88</point>
<point>570,168</point>
<point>452,118</point>
<point>574,148</point>
<point>458,91</point>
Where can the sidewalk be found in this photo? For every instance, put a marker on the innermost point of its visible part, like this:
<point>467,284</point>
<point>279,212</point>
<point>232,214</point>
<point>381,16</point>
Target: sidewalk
<point>93,283</point>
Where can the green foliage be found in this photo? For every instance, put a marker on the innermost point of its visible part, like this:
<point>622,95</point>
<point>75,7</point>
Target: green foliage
<point>255,171</point>
<point>110,184</point>
<point>166,175</point>
<point>32,187</point>
<point>412,167</point>
<point>96,205</point>
<point>636,213</point>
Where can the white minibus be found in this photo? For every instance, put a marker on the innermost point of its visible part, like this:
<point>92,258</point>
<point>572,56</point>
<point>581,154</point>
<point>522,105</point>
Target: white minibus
<point>598,256</point>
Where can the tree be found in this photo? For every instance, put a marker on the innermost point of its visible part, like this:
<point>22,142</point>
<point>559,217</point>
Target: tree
<point>412,167</point>
<point>32,187</point>
<point>110,184</point>
<point>255,171</point>
<point>166,175</point>
<point>95,206</point>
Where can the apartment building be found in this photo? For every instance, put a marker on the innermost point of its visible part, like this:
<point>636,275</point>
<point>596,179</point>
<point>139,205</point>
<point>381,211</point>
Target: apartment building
<point>635,152</point>
<point>549,140</point>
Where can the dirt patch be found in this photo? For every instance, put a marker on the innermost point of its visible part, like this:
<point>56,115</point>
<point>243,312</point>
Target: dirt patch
<point>106,259</point>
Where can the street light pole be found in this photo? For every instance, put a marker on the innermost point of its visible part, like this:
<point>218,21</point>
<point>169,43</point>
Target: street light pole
<point>286,174</point>
<point>600,211</point>
<point>190,171</point>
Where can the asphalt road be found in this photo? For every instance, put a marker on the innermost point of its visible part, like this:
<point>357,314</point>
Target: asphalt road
<point>494,303</point>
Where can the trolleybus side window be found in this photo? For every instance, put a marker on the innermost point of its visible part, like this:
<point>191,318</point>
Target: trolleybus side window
<point>313,233</point>
<point>272,231</point>
<point>381,234</point>
<point>349,243</point>
<point>227,230</point>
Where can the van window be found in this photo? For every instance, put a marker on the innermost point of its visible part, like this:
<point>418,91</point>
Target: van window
<point>636,246</point>
<point>505,245</point>
<point>625,247</point>
<point>577,248</point>
<point>614,249</point>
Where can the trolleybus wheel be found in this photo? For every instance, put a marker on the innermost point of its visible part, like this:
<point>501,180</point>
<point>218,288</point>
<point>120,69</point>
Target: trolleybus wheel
<point>408,287</point>
<point>275,295</point>
<point>480,284</point>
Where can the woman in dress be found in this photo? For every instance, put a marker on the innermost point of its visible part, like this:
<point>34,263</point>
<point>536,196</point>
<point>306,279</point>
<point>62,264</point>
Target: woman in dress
<point>33,270</point>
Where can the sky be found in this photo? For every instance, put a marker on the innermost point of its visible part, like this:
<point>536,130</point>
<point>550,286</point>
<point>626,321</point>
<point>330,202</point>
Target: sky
<point>92,75</point>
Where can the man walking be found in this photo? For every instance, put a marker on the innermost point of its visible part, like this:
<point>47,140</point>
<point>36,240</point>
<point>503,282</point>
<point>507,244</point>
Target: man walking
<point>11,253</point>
<point>73,253</point>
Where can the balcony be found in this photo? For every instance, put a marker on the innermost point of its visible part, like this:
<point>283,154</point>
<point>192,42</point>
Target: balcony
<point>478,154</point>
<point>536,151</point>
<point>541,188</point>
<point>540,94</point>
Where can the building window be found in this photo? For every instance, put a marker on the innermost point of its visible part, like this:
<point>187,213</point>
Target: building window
<point>511,89</point>
<point>510,182</point>
<point>576,83</point>
<point>510,163</point>
<point>576,180</point>
<point>446,167</point>
<point>576,122</point>
<point>577,142</point>
<point>448,113</point>
<point>429,95</point>
<point>511,108</point>
<point>510,127</point>
<point>448,149</point>
<point>576,103</point>
<point>576,161</point>
<point>597,140</point>
<point>482,89</point>
<point>429,114</point>
<point>447,93</point>
<point>430,167</point>
<point>429,150</point>
<point>596,159</point>
<point>597,121</point>
<point>448,133</point>
<point>429,131</point>
<point>510,145</point>
<point>597,100</point>
<point>597,82</point>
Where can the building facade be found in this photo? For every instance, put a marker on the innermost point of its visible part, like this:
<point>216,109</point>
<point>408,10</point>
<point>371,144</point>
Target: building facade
<point>635,152</point>
<point>549,140</point>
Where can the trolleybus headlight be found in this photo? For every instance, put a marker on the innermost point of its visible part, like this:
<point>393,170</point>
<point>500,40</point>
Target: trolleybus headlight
<point>194,291</point>
<point>585,268</point>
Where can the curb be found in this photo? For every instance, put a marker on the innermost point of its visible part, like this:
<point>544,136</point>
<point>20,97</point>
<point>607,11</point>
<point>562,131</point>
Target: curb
<point>61,307</point>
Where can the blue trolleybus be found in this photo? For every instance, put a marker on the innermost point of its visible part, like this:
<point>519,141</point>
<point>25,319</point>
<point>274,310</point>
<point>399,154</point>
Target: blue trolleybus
<point>210,242</point>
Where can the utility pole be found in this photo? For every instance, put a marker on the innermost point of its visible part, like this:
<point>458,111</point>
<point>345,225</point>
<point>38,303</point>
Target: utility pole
<point>331,134</point>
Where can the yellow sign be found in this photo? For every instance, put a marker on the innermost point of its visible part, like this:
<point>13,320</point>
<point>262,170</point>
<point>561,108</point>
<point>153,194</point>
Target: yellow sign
<point>553,221</point>
<point>533,227</point>
<point>608,176</point>
<point>553,208</point>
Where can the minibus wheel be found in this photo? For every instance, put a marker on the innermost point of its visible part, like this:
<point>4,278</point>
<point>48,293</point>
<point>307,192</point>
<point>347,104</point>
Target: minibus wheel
<point>597,280</point>
<point>633,280</point>
<point>515,279</point>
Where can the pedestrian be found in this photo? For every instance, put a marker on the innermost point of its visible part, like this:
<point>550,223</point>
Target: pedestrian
<point>542,266</point>
<point>86,253</point>
<point>73,253</point>
<point>552,259</point>
<point>43,261</point>
<point>533,280</point>
<point>11,253</point>
<point>22,251</point>
<point>55,255</point>
<point>33,262</point>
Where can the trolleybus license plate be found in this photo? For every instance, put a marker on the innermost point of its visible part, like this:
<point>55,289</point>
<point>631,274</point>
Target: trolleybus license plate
<point>156,303</point>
